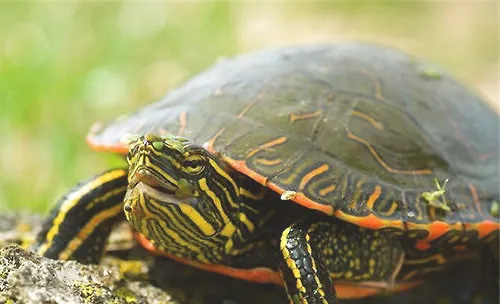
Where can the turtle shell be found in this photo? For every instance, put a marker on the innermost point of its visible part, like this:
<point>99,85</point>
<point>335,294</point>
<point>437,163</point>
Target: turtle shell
<point>356,131</point>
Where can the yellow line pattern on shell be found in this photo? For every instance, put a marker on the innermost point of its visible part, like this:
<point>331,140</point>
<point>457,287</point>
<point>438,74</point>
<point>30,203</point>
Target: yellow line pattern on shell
<point>294,117</point>
<point>374,197</point>
<point>310,175</point>
<point>356,195</point>
<point>250,105</point>
<point>267,145</point>
<point>368,118</point>
<point>71,201</point>
<point>182,123</point>
<point>327,190</point>
<point>379,159</point>
<point>475,198</point>
<point>375,82</point>
<point>268,162</point>
<point>394,207</point>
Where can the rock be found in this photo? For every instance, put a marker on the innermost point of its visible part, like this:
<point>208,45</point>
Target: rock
<point>137,277</point>
<point>27,278</point>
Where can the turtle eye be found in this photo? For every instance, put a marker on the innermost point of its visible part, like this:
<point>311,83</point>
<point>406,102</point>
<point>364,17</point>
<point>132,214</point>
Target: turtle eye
<point>194,164</point>
<point>158,145</point>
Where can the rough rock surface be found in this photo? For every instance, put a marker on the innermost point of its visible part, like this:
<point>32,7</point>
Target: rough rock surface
<point>27,278</point>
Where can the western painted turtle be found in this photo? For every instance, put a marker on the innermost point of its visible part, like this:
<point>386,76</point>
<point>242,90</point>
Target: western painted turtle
<point>353,163</point>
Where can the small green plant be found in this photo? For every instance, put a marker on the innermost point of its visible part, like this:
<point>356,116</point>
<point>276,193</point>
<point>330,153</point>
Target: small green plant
<point>437,198</point>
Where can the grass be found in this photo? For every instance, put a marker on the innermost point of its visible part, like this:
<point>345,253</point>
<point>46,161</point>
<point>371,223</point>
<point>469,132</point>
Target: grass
<point>65,65</point>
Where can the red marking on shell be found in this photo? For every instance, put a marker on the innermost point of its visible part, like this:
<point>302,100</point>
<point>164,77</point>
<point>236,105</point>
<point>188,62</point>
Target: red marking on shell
<point>484,228</point>
<point>242,167</point>
<point>299,197</point>
<point>345,290</point>
<point>422,245</point>
<point>257,274</point>
<point>182,123</point>
<point>369,221</point>
<point>435,229</point>
<point>438,228</point>
<point>475,198</point>
<point>460,247</point>
<point>353,290</point>
<point>116,148</point>
<point>210,144</point>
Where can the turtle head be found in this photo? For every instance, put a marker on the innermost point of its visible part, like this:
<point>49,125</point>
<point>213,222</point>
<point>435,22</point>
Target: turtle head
<point>177,190</point>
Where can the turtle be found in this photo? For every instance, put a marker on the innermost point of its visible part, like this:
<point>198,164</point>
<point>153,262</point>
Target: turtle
<point>338,171</point>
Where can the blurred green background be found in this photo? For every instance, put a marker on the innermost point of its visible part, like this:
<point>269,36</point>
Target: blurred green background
<point>64,65</point>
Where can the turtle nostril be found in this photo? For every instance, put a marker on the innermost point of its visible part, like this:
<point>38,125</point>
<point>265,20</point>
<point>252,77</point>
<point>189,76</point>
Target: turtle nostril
<point>127,208</point>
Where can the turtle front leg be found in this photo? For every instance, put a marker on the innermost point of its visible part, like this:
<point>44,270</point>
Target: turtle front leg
<point>312,253</point>
<point>305,275</point>
<point>79,225</point>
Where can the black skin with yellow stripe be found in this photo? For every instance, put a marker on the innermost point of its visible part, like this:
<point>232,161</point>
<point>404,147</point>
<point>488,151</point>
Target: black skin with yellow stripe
<point>190,205</point>
<point>322,251</point>
<point>79,225</point>
<point>383,175</point>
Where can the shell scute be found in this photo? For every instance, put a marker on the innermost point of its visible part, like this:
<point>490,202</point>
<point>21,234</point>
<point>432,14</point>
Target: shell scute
<point>353,129</point>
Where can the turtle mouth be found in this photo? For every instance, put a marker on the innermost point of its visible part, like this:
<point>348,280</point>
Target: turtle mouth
<point>148,182</point>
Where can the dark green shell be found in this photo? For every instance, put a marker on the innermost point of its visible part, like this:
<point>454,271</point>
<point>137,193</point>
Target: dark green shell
<point>356,130</point>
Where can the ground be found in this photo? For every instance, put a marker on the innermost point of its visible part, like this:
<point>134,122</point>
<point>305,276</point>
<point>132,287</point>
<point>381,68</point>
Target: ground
<point>122,278</point>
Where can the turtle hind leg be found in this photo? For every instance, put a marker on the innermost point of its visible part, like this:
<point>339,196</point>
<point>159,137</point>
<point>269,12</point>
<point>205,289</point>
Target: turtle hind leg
<point>79,225</point>
<point>313,254</point>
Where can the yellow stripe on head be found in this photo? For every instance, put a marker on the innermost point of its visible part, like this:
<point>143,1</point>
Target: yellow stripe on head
<point>224,174</point>
<point>206,228</point>
<point>215,199</point>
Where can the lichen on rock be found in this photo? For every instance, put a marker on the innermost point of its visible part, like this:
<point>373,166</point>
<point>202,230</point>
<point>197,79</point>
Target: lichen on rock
<point>27,278</point>
<point>130,275</point>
